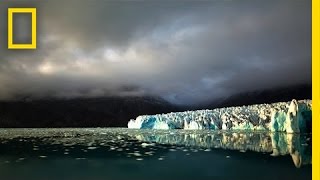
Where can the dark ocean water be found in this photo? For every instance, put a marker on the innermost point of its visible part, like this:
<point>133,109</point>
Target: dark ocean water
<point>119,153</point>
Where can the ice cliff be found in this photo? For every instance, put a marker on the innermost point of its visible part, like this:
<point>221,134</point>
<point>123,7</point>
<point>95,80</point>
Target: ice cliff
<point>290,117</point>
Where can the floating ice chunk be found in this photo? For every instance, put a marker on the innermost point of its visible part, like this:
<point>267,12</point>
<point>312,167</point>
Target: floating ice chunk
<point>147,144</point>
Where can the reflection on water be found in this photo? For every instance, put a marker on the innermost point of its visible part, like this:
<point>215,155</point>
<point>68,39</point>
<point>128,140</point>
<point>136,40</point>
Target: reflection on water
<point>278,144</point>
<point>108,152</point>
<point>295,145</point>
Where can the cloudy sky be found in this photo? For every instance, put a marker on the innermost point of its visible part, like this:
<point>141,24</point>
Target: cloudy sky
<point>183,51</point>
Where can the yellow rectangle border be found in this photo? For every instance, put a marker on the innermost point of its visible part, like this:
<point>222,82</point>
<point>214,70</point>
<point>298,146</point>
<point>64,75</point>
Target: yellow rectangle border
<point>33,12</point>
<point>315,73</point>
<point>315,91</point>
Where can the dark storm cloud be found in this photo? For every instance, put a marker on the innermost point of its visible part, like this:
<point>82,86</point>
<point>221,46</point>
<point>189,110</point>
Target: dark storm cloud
<point>184,51</point>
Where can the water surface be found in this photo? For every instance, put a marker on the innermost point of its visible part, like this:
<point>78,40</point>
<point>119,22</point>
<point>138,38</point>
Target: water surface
<point>119,153</point>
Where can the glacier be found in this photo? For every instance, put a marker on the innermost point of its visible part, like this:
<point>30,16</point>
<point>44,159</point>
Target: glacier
<point>291,117</point>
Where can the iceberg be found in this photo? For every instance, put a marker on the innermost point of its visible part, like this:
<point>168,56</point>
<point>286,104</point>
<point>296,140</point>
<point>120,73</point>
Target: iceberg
<point>291,117</point>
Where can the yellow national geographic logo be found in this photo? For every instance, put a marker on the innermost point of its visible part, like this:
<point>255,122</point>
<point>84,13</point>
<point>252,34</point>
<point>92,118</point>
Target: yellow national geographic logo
<point>33,12</point>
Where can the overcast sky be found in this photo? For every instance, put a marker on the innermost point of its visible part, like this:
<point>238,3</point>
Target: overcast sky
<point>183,51</point>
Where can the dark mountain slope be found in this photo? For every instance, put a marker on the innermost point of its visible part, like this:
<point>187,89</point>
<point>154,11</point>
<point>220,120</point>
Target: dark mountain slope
<point>93,112</point>
<point>280,94</point>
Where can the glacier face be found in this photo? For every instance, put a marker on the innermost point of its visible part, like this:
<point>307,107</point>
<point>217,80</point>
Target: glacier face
<point>290,117</point>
